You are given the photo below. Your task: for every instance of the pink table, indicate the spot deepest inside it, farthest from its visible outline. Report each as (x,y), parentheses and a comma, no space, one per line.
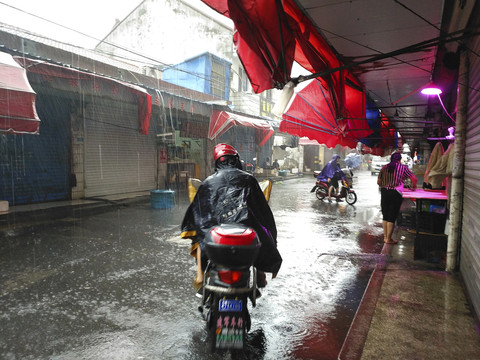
(419,195)
(424,194)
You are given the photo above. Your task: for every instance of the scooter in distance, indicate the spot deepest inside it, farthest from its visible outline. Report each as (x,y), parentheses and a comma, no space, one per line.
(346,192)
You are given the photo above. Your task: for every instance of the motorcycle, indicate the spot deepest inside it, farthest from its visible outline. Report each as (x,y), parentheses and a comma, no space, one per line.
(346,191)
(230,280)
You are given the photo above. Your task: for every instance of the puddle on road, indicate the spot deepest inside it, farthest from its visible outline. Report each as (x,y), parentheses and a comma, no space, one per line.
(124,284)
(329,252)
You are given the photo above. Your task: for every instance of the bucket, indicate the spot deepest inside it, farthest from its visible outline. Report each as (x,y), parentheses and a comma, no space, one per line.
(162,199)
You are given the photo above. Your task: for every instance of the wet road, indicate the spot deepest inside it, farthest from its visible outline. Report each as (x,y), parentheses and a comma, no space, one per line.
(118,285)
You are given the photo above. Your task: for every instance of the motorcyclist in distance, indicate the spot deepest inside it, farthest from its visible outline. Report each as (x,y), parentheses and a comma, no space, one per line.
(231,195)
(330,174)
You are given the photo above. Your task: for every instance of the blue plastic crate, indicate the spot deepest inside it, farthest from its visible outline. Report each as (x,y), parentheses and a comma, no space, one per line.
(162,199)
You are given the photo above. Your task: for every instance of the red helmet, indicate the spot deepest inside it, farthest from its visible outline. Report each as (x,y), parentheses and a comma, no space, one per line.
(223,149)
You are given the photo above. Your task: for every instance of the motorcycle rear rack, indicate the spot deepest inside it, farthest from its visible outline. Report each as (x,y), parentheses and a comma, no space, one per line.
(228,291)
(231,291)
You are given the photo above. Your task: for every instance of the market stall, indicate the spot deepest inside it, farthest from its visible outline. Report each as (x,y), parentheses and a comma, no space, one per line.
(430,220)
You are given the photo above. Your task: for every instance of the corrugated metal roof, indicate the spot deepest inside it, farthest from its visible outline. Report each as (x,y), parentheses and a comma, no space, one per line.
(88,53)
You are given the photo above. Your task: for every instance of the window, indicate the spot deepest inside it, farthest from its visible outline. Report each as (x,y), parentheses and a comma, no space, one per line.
(268,95)
(242,80)
(218,79)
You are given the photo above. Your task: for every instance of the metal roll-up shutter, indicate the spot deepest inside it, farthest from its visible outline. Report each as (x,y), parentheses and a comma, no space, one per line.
(118,159)
(470,244)
(36,168)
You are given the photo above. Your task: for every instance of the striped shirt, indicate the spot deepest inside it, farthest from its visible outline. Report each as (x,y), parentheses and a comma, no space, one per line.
(393,180)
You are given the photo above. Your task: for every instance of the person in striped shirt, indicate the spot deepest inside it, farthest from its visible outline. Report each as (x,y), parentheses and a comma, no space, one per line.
(391,179)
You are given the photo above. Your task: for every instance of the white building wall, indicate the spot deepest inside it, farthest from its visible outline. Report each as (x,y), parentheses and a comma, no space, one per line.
(246,103)
(168,32)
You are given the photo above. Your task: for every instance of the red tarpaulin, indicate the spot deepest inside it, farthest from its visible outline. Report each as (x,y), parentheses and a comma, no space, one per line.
(388,139)
(18,114)
(67,79)
(270,35)
(312,114)
(373,151)
(259,39)
(306,141)
(388,135)
(221,121)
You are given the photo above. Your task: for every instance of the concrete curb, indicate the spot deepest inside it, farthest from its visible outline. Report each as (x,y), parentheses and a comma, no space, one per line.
(357,333)
(62,209)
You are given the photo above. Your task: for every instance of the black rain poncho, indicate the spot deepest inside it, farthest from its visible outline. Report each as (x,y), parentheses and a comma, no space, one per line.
(231,195)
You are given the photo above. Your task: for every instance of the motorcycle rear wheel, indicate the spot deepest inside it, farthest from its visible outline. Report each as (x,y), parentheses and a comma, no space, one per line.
(351,198)
(321,193)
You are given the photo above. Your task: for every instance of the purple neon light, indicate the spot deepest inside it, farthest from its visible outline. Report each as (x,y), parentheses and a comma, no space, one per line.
(431,91)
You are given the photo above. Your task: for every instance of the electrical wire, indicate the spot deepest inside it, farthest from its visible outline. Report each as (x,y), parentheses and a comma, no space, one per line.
(443,106)
(143,56)
(417,47)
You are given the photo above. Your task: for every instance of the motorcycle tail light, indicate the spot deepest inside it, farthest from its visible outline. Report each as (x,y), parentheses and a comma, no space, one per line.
(230,276)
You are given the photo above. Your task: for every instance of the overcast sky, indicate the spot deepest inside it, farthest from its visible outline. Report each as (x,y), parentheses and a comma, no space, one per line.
(91,17)
(91,20)
(94,18)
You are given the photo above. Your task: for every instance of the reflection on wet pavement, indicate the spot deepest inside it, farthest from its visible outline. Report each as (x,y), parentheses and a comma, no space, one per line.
(328,260)
(118,285)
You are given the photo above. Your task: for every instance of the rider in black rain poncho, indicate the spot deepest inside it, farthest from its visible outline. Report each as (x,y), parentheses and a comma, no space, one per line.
(231,195)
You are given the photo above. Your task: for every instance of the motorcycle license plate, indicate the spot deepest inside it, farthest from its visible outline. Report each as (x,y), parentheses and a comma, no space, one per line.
(232,305)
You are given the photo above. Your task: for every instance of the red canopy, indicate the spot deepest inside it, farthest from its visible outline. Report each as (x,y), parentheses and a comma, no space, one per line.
(261,30)
(306,141)
(373,151)
(388,139)
(221,121)
(18,114)
(388,135)
(312,114)
(67,79)
(270,35)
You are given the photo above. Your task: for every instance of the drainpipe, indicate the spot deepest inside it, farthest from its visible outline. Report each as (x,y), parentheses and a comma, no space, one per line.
(456,194)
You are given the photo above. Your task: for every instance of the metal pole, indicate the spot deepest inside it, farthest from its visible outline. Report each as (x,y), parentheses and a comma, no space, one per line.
(456,192)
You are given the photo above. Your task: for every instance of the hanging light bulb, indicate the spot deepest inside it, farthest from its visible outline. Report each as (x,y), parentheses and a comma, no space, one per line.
(431,89)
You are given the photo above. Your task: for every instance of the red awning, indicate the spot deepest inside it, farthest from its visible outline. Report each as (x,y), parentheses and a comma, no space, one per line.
(270,35)
(306,141)
(18,114)
(261,35)
(68,79)
(221,121)
(312,114)
(388,135)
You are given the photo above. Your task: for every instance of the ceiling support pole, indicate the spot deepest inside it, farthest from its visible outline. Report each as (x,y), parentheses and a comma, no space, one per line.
(456,190)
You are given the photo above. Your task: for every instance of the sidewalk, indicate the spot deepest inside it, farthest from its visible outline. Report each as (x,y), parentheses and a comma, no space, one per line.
(412,309)
(50,211)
